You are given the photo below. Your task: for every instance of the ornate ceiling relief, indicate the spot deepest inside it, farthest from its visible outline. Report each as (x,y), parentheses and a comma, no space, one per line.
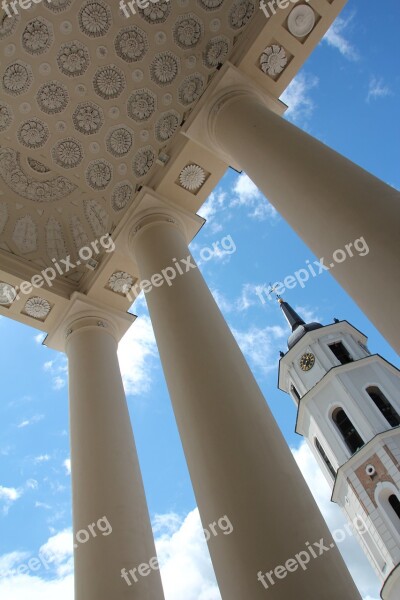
(25,235)
(91,100)
(37,308)
(55,243)
(27,186)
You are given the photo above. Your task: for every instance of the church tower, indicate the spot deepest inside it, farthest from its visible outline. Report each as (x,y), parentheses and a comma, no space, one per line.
(348,410)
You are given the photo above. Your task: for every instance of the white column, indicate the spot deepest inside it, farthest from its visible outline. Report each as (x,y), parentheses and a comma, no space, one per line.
(106,478)
(238,460)
(328,200)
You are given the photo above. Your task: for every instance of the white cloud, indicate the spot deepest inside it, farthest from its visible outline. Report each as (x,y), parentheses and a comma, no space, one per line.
(8,495)
(261,346)
(298,99)
(67,465)
(224,304)
(31,421)
(247,194)
(377,89)
(42,458)
(308,315)
(186,568)
(354,557)
(211,209)
(39,338)
(137,352)
(335,38)
(58,369)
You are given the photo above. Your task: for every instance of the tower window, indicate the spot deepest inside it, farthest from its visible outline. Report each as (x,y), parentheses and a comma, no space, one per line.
(395,504)
(349,433)
(383,404)
(341,353)
(295,393)
(325,458)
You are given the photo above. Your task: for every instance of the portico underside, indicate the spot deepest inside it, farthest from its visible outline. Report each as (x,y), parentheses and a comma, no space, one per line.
(115,129)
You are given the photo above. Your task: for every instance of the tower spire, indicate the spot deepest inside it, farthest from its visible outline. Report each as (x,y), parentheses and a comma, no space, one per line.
(296,323)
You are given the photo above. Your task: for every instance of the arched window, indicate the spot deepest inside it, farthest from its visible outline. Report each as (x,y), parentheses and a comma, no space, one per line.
(341,353)
(325,458)
(349,433)
(395,504)
(383,404)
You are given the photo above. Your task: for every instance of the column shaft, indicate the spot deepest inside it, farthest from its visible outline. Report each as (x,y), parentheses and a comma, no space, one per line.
(238,460)
(106,478)
(328,200)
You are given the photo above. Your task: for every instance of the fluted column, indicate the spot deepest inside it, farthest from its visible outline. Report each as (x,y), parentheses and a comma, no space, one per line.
(106,478)
(240,465)
(328,200)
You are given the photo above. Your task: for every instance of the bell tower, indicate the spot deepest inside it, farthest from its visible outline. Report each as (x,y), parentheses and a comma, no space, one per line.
(348,410)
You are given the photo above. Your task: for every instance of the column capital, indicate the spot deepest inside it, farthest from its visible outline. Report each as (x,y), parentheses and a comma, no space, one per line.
(83,313)
(151,209)
(230,84)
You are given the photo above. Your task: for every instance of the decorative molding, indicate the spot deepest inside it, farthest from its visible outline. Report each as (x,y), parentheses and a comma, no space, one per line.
(301,20)
(273,60)
(192,178)
(37,308)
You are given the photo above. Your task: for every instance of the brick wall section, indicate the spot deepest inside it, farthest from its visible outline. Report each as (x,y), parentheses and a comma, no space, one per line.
(370,483)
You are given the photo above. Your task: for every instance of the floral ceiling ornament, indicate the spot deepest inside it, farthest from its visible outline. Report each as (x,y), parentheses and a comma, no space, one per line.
(131,44)
(142,104)
(191,89)
(143,161)
(68,153)
(99,174)
(301,20)
(73,58)
(241,13)
(164,68)
(37,36)
(109,82)
(192,177)
(188,31)
(94,18)
(121,282)
(119,141)
(52,97)
(156,12)
(33,133)
(37,308)
(17,78)
(273,60)
(7,294)
(121,195)
(167,125)
(216,52)
(88,118)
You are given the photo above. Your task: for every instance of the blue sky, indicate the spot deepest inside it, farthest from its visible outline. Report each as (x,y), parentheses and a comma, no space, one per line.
(346,95)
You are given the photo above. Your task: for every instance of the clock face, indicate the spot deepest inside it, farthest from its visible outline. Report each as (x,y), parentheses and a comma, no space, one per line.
(307,361)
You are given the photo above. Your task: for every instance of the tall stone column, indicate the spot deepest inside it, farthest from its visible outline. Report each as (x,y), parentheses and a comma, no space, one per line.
(328,200)
(106,478)
(239,462)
